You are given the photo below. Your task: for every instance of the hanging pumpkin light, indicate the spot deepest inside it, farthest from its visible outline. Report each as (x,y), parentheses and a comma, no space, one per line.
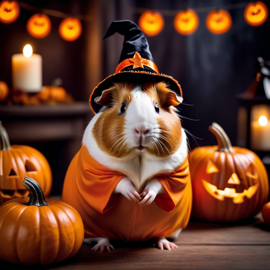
(256,13)
(151,23)
(9,11)
(186,22)
(39,25)
(70,29)
(218,21)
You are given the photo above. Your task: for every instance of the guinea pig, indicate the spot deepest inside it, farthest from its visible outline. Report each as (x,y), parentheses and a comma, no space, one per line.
(130,179)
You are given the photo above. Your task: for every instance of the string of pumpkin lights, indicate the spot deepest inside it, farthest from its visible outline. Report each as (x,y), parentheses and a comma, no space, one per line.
(186,22)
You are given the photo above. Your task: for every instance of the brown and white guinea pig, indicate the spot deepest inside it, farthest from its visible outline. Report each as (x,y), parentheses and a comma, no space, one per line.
(138,149)
(138,131)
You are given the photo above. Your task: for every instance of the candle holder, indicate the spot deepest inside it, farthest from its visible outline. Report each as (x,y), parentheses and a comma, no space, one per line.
(254,112)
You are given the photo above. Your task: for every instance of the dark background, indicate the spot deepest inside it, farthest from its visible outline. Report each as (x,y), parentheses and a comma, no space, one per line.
(212,69)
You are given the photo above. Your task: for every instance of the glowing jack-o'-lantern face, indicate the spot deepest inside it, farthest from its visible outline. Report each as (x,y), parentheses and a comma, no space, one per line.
(256,14)
(230,191)
(186,22)
(229,183)
(218,22)
(151,23)
(70,29)
(9,11)
(18,161)
(39,25)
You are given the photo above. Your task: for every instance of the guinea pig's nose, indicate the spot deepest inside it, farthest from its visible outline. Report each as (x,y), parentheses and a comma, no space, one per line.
(141,131)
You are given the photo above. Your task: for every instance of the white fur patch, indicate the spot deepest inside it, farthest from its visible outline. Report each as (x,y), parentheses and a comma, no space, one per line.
(137,168)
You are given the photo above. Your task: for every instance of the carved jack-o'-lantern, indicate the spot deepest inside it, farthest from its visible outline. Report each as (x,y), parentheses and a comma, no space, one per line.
(39,25)
(70,29)
(9,11)
(218,22)
(186,22)
(256,14)
(151,23)
(229,183)
(18,161)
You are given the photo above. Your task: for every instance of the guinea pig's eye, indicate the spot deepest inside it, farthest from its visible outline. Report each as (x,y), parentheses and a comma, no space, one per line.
(123,108)
(156,107)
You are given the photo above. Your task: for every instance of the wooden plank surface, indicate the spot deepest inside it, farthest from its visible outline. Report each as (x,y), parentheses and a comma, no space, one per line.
(202,245)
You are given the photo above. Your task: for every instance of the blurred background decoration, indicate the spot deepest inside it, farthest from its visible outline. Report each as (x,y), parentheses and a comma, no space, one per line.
(210,46)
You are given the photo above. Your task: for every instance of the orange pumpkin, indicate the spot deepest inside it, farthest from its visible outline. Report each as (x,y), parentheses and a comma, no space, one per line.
(70,29)
(186,22)
(3,90)
(151,23)
(52,93)
(18,161)
(229,183)
(39,25)
(266,213)
(9,11)
(36,230)
(256,14)
(218,22)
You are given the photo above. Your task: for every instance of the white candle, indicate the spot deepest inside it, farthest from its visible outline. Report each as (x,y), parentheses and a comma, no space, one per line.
(27,72)
(260,134)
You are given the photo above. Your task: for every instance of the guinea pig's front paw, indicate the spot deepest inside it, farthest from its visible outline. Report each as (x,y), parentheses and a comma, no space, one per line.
(150,192)
(163,243)
(102,244)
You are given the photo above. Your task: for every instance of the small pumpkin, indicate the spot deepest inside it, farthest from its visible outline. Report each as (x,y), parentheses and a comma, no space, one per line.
(37,230)
(229,183)
(186,22)
(3,90)
(151,23)
(9,11)
(266,213)
(70,29)
(218,21)
(39,25)
(256,13)
(52,93)
(18,161)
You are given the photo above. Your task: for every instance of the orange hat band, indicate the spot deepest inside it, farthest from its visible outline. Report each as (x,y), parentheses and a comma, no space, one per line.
(137,62)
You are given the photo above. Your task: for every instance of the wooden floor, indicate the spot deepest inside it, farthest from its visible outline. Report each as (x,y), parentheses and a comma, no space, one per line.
(202,245)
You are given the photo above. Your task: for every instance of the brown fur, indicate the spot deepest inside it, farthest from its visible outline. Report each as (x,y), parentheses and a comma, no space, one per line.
(108,130)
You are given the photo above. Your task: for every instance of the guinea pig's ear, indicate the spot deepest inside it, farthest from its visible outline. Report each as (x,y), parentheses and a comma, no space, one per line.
(166,96)
(106,97)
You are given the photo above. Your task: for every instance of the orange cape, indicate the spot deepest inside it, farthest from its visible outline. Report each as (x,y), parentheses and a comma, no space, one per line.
(89,187)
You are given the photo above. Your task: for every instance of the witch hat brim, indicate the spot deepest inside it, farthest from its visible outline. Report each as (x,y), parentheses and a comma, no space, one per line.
(136,63)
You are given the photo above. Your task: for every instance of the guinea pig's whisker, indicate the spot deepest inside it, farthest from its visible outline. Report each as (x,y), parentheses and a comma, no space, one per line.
(158,142)
(155,145)
(121,149)
(166,131)
(165,147)
(193,136)
(166,139)
(119,141)
(184,117)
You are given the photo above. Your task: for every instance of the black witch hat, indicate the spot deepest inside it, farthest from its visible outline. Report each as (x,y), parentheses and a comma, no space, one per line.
(136,62)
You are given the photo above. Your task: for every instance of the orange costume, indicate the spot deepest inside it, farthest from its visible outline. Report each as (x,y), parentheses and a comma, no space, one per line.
(89,188)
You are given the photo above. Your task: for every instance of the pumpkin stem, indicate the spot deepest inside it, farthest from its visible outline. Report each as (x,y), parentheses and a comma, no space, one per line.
(224,143)
(36,194)
(4,140)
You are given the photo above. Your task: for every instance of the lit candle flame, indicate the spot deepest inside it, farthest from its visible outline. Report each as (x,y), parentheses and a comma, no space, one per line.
(263,120)
(27,50)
